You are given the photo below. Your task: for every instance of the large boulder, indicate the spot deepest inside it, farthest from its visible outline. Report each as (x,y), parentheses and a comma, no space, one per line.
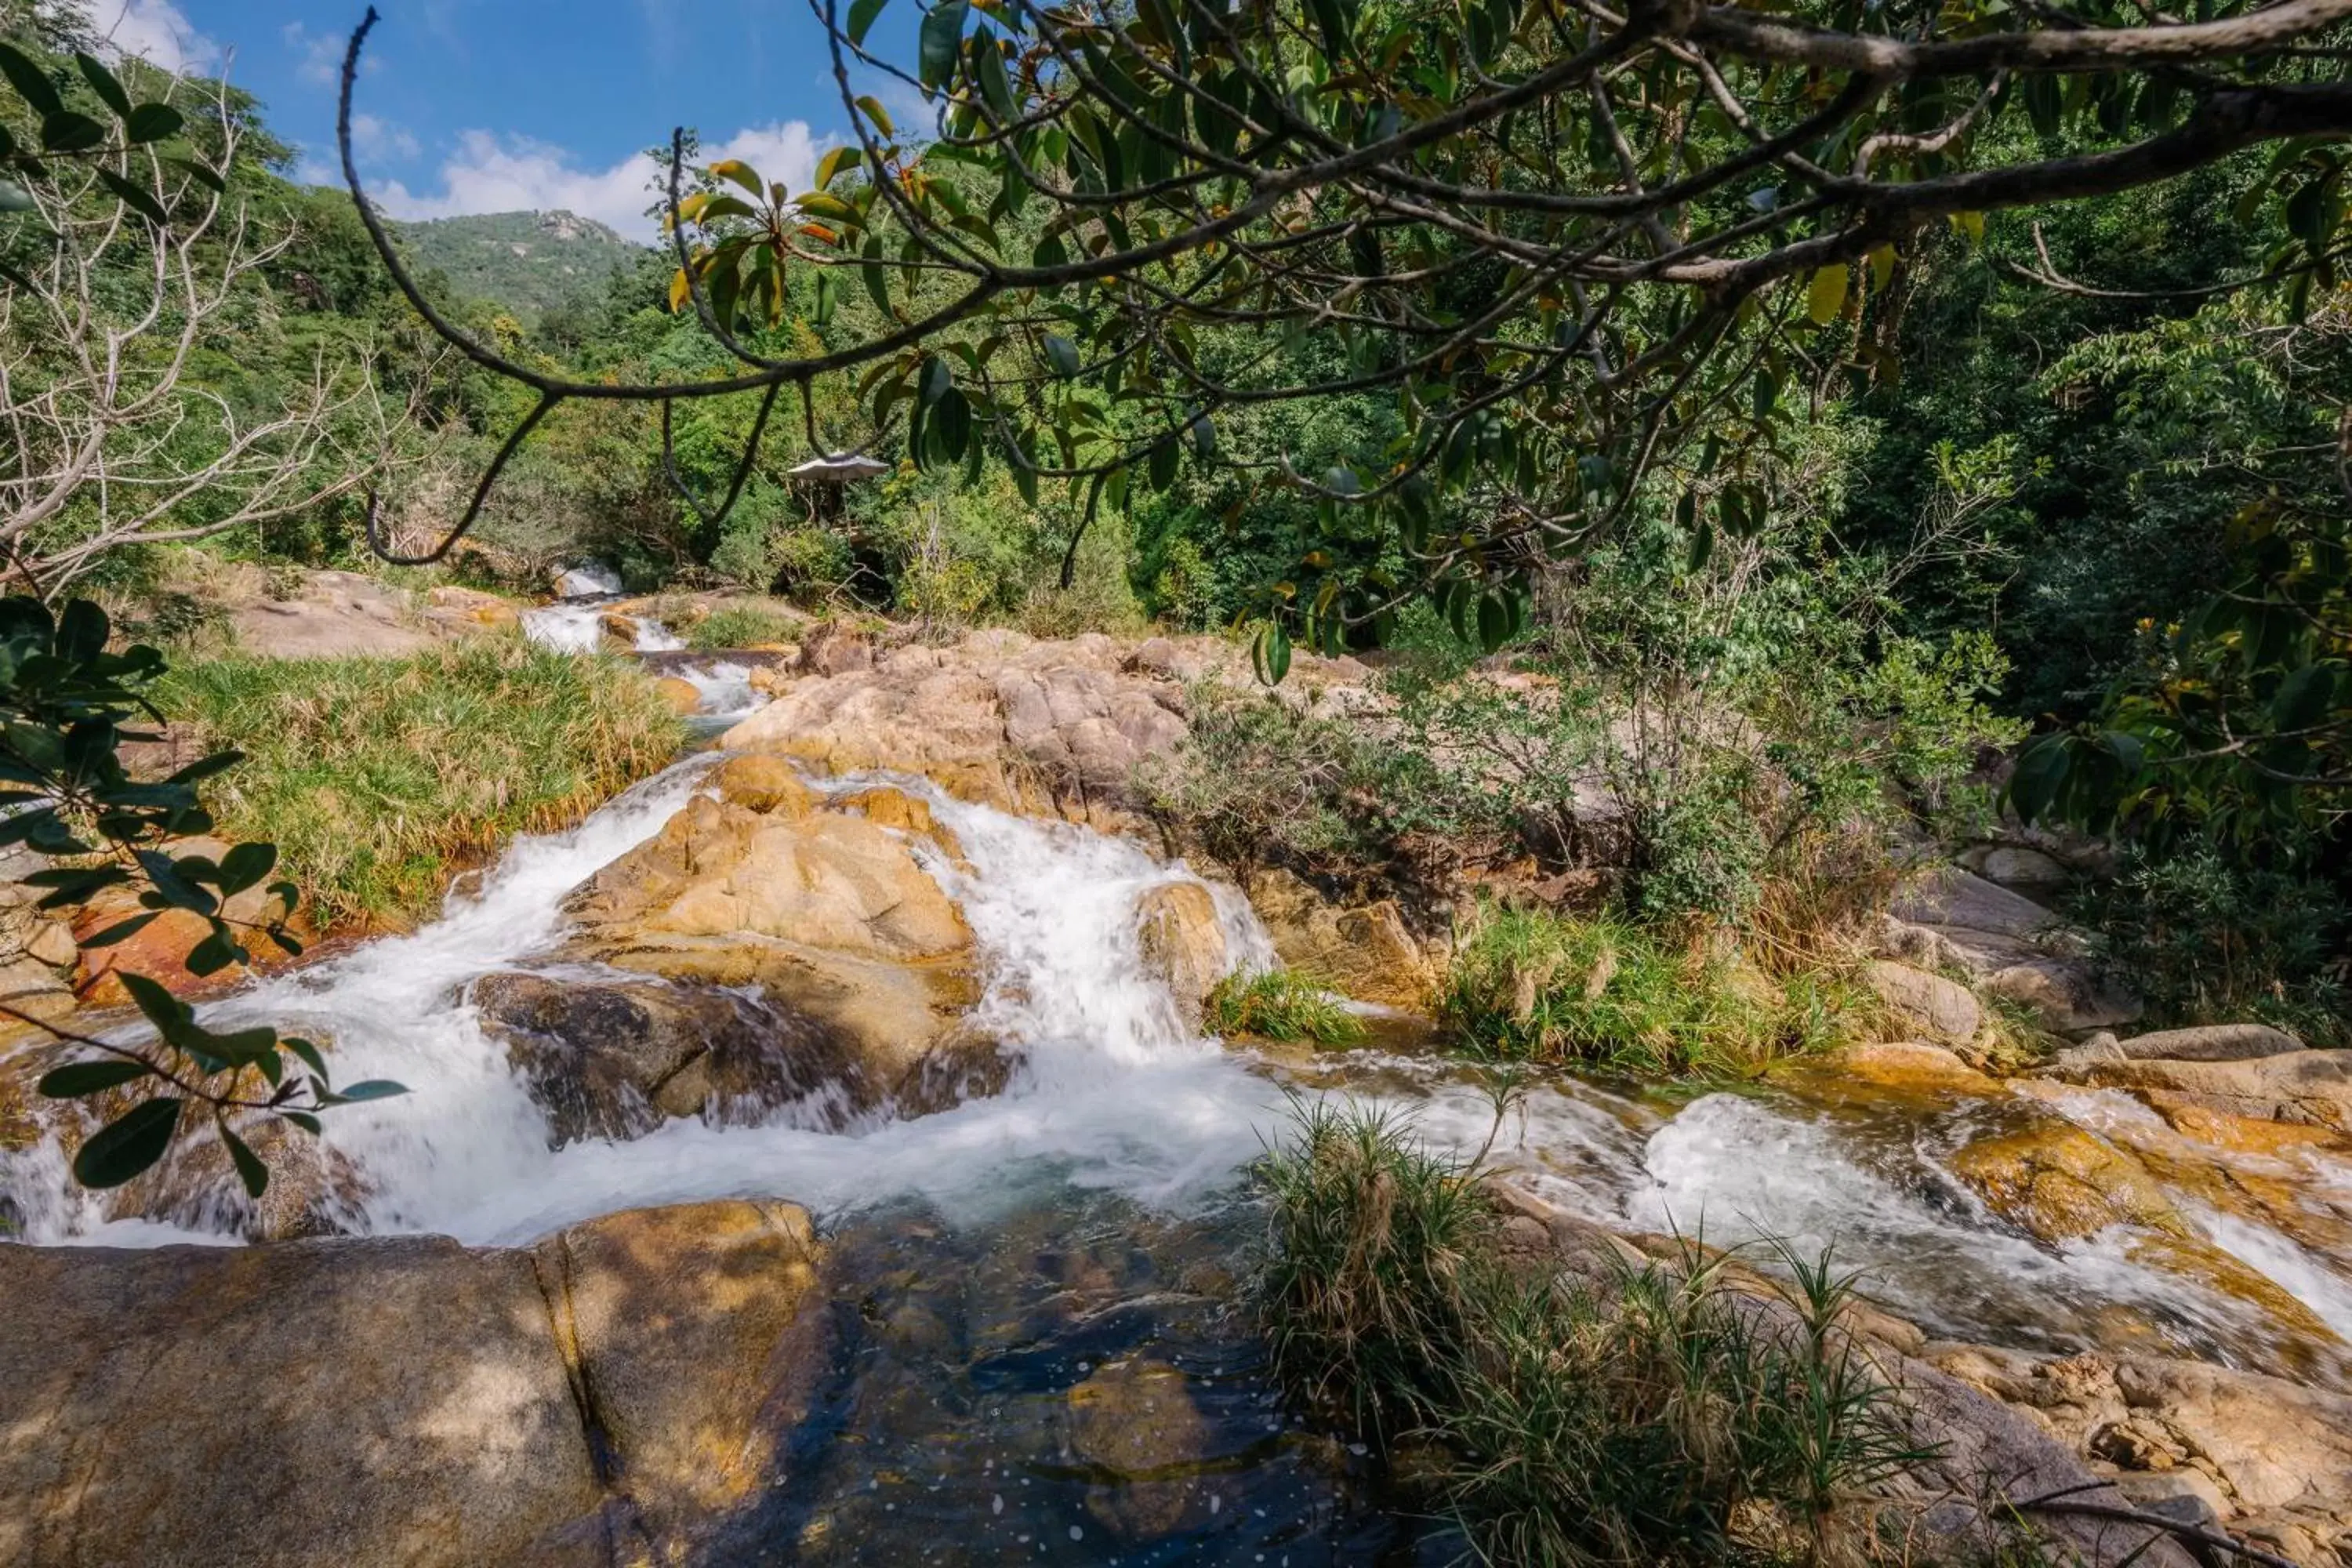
(1183,946)
(2311,1088)
(615,1059)
(2011,946)
(1363,950)
(824,910)
(1044,728)
(401,1400)
(2210,1042)
(1941,1009)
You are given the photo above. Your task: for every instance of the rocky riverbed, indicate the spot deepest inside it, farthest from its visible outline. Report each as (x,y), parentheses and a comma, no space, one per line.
(815,1157)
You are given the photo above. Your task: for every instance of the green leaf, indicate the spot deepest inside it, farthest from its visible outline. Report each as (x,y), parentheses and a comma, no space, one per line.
(246,865)
(66,132)
(1825,297)
(78,1078)
(1702,546)
(249,1168)
(871,107)
(2041,770)
(861,17)
(370,1089)
(127,1145)
(2304,698)
(15,198)
(82,632)
(30,81)
(102,81)
(1062,356)
(309,1054)
(942,41)
(165,1011)
(834,162)
(937,378)
(154,122)
(136,199)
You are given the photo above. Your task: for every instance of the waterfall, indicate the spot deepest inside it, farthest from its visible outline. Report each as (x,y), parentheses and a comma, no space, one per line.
(1116,1093)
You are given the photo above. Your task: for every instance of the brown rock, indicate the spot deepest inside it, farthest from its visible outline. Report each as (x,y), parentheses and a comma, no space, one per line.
(2060,1183)
(766,784)
(1183,946)
(1364,951)
(52,942)
(683,696)
(451,1425)
(614,1060)
(1944,1010)
(1909,1064)
(2210,1043)
(2311,1088)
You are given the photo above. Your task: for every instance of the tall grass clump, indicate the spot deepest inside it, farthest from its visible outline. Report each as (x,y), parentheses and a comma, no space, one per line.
(742,626)
(1278,1006)
(377,778)
(1633,1414)
(1604,992)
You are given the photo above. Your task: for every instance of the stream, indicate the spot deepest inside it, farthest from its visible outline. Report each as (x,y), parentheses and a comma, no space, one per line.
(1096,1212)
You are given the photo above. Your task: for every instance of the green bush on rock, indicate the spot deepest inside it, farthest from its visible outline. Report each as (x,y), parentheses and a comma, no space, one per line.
(1642,1414)
(1279,1005)
(1605,991)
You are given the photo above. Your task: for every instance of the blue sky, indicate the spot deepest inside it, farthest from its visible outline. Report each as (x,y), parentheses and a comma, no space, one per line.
(492,105)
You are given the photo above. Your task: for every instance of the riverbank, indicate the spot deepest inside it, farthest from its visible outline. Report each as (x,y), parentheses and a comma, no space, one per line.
(914,953)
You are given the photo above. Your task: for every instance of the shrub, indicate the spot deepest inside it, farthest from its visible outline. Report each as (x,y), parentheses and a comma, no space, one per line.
(1607,993)
(1646,1416)
(2208,939)
(742,626)
(376,777)
(1278,1006)
(1259,781)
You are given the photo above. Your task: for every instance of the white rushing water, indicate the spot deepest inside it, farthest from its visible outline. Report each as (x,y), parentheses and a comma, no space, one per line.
(1116,1094)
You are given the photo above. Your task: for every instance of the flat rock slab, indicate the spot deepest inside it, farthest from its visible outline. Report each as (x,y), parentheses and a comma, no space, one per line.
(2210,1043)
(1950,897)
(394,1400)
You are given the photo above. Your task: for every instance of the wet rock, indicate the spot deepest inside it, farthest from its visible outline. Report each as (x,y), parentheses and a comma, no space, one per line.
(893,808)
(2239,1134)
(1909,1064)
(1135,1419)
(2059,1182)
(683,696)
(769,786)
(2210,1043)
(313,1191)
(1183,947)
(2310,1088)
(407,1401)
(614,1060)
(474,606)
(1945,1010)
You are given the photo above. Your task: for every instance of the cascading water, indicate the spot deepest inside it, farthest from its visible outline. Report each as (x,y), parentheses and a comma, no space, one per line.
(1116,1096)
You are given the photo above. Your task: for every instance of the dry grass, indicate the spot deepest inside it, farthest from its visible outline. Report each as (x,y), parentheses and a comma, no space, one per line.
(378,778)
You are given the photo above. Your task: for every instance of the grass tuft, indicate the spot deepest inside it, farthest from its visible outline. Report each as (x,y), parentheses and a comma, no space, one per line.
(1651,1414)
(1278,1006)
(1604,992)
(378,778)
(743,626)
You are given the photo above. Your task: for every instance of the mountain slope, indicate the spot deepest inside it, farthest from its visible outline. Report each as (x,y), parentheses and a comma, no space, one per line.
(525,262)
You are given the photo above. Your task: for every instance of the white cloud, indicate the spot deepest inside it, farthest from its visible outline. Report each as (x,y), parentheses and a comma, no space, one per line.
(490,174)
(157,31)
(377,140)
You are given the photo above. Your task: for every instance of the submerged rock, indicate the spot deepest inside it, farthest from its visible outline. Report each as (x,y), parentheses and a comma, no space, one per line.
(351,1404)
